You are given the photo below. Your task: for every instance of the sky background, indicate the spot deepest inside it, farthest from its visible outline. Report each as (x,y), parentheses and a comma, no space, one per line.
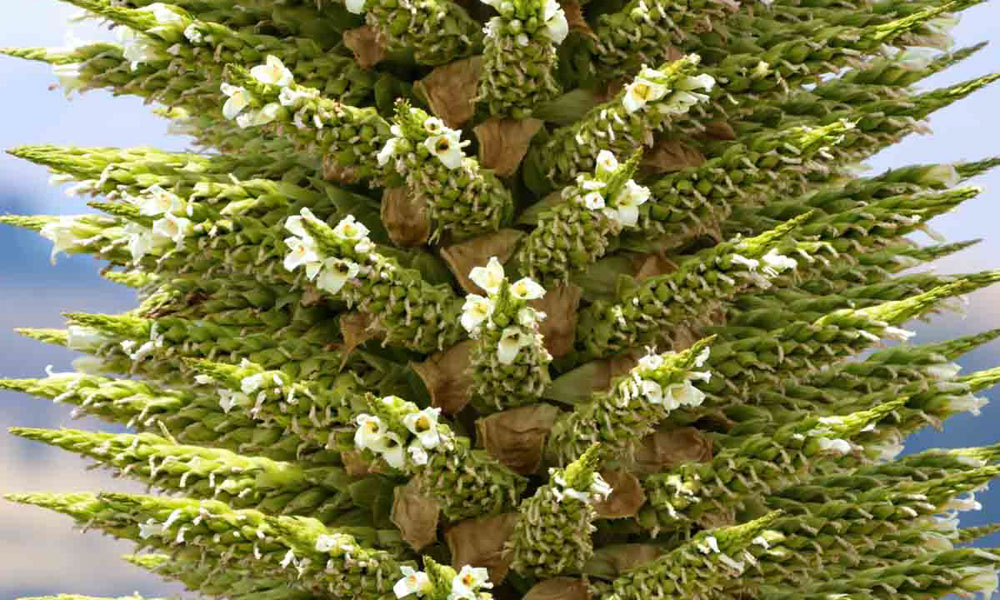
(41,554)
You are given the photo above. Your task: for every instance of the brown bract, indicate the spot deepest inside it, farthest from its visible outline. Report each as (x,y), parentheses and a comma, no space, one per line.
(448,377)
(560,588)
(560,305)
(480,543)
(612,561)
(627,496)
(504,142)
(366,44)
(415,514)
(666,448)
(357,328)
(517,437)
(450,90)
(667,156)
(405,217)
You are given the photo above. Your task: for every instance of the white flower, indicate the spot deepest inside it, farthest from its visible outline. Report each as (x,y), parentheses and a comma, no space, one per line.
(684,394)
(272,72)
(835,446)
(750,263)
(651,362)
(387,151)
(335,272)
(470,579)
(555,21)
(162,13)
(393,452)
(896,333)
(527,289)
(355,6)
(590,185)
(606,162)
(651,391)
(291,97)
(489,277)
(424,425)
(140,241)
(967,403)
(301,252)
(349,229)
(149,529)
(512,339)
(251,383)
(600,489)
(643,90)
(593,200)
(193,35)
(702,357)
(434,125)
(370,434)
(326,543)
(136,48)
(60,233)
(775,263)
(294,223)
(157,201)
(69,77)
(228,399)
(980,579)
(413,582)
(709,544)
(944,371)
(172,228)
(628,201)
(83,338)
(476,310)
(417,454)
(529,317)
(447,147)
(700,82)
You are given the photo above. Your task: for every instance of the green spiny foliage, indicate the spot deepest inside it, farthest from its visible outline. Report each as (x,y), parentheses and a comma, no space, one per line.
(540,299)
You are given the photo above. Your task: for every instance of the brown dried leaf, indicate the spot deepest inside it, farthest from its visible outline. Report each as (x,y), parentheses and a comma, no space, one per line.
(560,588)
(626,498)
(574,16)
(720,130)
(405,217)
(448,377)
(480,543)
(516,437)
(461,258)
(666,448)
(355,465)
(415,514)
(667,156)
(504,142)
(450,90)
(653,265)
(560,304)
(612,561)
(366,44)
(356,329)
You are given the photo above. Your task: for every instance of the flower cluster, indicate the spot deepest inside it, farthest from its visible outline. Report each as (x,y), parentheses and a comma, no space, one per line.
(170,228)
(397,446)
(642,383)
(137,48)
(437,139)
(272,72)
(520,327)
(552,16)
(469,583)
(649,86)
(599,490)
(330,274)
(623,205)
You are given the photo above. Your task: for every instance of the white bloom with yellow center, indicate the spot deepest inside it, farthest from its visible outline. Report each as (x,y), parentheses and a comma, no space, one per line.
(370,434)
(643,90)
(555,21)
(334,273)
(157,201)
(512,339)
(490,277)
(476,310)
(606,162)
(592,200)
(527,289)
(301,252)
(413,582)
(434,126)
(447,147)
(272,72)
(424,425)
(470,579)
(387,151)
(237,99)
(349,229)
(173,228)
(60,233)
(628,201)
(393,452)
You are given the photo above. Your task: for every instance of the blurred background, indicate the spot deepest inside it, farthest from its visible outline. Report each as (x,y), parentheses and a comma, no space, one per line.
(41,554)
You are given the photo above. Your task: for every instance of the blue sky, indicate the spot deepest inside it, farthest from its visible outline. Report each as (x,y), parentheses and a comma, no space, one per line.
(39,553)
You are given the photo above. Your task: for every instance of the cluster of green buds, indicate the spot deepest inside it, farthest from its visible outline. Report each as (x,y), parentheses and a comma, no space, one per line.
(425,155)
(576,232)
(440,582)
(509,361)
(520,53)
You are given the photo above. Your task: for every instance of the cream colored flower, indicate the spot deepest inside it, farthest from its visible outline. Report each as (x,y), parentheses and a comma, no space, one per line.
(490,277)
(349,229)
(157,201)
(172,228)
(643,90)
(302,253)
(424,425)
(512,339)
(393,452)
(387,151)
(334,273)
(413,582)
(476,310)
(555,21)
(237,99)
(272,72)
(447,147)
(370,433)
(628,201)
(527,289)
